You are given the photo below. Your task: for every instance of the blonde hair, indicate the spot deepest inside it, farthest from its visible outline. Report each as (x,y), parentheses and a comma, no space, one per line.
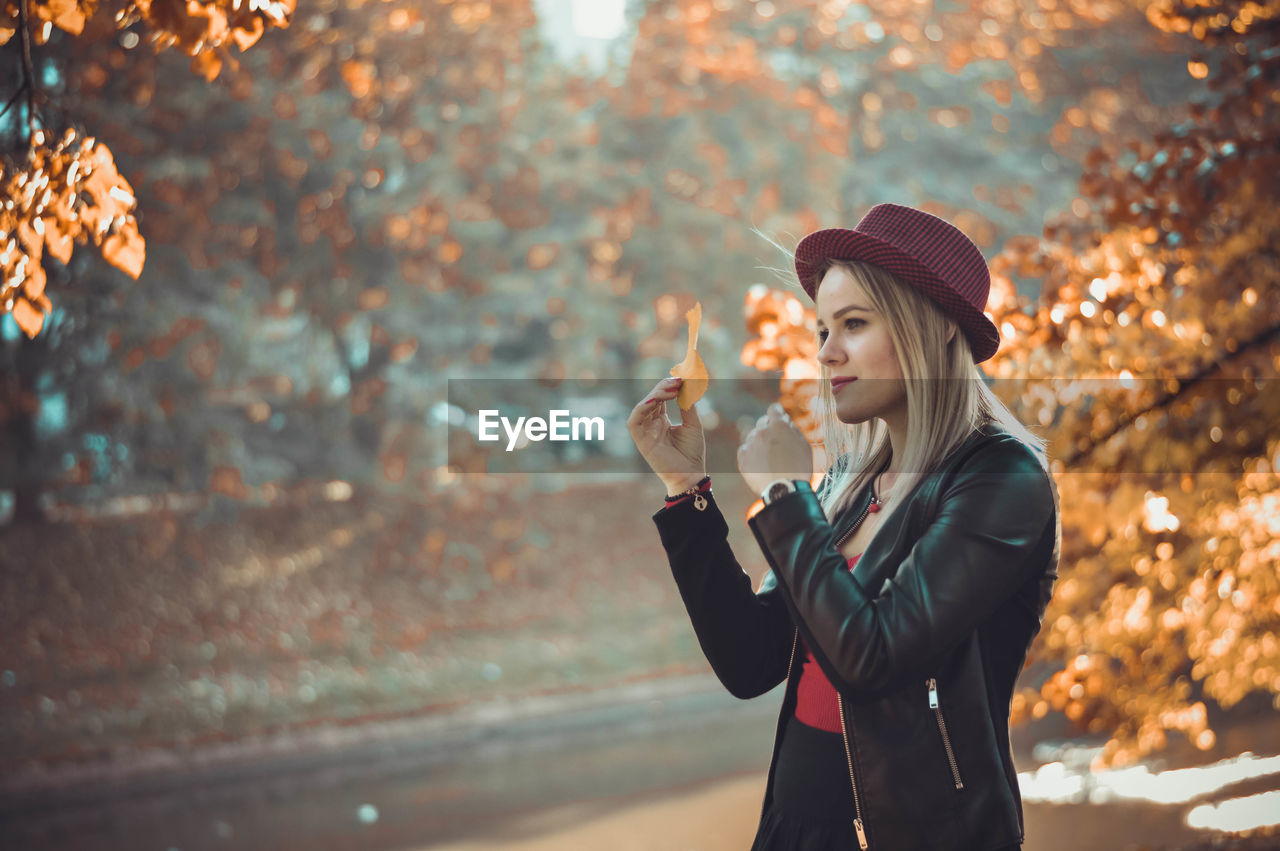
(947,398)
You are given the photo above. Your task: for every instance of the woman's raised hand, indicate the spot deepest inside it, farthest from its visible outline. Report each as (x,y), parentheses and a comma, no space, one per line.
(774,449)
(676,453)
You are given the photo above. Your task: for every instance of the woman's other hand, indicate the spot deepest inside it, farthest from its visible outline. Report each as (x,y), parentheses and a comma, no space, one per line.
(774,449)
(676,453)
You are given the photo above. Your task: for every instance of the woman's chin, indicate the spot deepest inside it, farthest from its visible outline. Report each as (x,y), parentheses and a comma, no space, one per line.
(851,417)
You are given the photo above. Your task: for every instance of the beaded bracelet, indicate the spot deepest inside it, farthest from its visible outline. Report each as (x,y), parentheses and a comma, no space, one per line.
(696,492)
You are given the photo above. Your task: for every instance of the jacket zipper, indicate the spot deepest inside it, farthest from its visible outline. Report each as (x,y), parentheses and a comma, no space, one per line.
(791,659)
(844,732)
(942,728)
(857,804)
(854,527)
(848,755)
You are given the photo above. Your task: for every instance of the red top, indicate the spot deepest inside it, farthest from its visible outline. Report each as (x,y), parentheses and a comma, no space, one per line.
(815,696)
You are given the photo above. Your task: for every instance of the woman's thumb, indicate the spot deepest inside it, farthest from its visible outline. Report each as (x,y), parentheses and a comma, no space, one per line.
(689,416)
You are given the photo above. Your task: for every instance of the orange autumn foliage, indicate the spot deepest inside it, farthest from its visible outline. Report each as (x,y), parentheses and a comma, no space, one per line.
(70,192)
(202,30)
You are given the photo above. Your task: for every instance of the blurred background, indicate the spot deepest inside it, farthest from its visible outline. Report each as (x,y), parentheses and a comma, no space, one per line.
(252,593)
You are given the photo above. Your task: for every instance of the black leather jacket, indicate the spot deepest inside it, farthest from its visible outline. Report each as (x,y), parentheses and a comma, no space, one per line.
(923,639)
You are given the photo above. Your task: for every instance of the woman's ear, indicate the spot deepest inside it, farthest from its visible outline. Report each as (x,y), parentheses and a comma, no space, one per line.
(951,329)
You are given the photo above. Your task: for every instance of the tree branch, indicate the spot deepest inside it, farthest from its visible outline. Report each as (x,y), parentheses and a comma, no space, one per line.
(1184,384)
(28,68)
(28,84)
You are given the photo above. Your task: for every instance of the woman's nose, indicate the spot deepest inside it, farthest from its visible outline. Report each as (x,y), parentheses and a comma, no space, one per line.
(829,354)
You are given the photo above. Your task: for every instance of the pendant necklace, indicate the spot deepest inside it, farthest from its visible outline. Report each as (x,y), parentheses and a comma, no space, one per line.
(876,501)
(872,507)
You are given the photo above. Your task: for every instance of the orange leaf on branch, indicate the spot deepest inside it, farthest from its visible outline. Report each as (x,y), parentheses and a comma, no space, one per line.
(207,64)
(126,250)
(65,193)
(29,317)
(59,238)
(66,15)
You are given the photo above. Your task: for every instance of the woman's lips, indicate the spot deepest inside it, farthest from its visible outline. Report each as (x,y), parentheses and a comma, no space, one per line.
(837,383)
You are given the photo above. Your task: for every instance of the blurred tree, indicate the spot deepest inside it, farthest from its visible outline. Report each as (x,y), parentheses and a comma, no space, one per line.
(395,192)
(68,191)
(61,188)
(1166,287)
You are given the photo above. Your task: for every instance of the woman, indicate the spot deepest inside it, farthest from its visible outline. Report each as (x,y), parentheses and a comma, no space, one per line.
(901,624)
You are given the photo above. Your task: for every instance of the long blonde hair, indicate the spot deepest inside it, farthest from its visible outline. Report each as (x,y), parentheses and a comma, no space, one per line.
(947,398)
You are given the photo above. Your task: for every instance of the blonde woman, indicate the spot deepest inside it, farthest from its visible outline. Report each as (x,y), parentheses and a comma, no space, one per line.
(902,596)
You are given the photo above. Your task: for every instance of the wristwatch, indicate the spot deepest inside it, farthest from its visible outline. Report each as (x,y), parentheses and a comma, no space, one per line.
(778,489)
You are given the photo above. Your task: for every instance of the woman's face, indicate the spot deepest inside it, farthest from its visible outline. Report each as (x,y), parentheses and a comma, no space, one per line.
(854,343)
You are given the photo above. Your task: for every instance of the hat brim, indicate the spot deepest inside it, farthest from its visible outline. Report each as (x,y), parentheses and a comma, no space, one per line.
(818,249)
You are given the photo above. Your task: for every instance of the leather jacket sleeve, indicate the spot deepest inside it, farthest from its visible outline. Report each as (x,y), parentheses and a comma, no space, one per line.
(745,635)
(972,557)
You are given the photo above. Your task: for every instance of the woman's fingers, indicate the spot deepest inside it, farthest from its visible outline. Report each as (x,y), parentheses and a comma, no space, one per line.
(667,388)
(653,404)
(664,392)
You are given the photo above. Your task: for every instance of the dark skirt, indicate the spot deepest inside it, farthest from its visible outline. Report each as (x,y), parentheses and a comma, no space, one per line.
(812,804)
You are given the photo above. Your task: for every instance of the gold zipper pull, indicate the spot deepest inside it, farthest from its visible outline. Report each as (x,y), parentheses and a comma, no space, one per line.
(699,502)
(933,693)
(862,835)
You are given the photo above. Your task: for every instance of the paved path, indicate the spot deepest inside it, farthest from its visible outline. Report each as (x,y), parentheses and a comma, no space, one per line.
(678,767)
(721,816)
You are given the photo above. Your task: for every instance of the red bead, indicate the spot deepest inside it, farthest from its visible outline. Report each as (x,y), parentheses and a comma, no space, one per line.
(873,507)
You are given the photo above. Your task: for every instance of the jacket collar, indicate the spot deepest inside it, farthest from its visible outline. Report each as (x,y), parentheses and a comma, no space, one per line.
(846,519)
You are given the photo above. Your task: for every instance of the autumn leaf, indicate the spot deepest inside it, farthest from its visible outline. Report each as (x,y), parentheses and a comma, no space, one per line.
(29,319)
(57,240)
(207,64)
(33,286)
(246,38)
(126,250)
(43,213)
(67,15)
(691,369)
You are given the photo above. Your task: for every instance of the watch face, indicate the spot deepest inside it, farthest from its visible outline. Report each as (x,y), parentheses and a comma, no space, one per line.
(779,490)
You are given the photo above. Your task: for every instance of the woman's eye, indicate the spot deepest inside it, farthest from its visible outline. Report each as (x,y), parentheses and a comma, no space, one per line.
(849,325)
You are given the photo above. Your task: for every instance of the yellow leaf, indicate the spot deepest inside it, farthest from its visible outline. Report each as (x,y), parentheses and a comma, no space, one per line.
(216,28)
(58,241)
(33,285)
(31,240)
(245,39)
(691,369)
(66,15)
(29,319)
(102,178)
(207,63)
(61,207)
(126,250)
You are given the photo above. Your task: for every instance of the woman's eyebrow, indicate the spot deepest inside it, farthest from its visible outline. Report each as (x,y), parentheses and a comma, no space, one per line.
(843,311)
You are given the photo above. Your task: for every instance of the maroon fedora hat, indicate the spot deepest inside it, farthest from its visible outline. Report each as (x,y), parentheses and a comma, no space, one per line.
(920,249)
